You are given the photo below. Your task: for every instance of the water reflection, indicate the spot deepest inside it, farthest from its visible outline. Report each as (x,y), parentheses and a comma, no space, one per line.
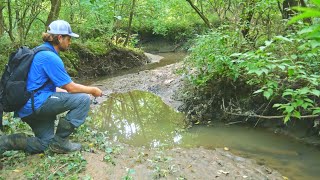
(140,118)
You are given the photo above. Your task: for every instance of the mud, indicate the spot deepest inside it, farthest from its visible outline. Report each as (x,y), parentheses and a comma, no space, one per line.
(179,163)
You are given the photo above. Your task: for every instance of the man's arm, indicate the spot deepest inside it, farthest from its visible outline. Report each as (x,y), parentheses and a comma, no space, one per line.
(60,90)
(79,88)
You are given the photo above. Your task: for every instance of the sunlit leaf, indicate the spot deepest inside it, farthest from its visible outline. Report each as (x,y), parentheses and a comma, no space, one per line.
(304,90)
(289,109)
(267,43)
(283,38)
(299,102)
(287,118)
(315,92)
(287,93)
(290,72)
(276,105)
(282,67)
(258,91)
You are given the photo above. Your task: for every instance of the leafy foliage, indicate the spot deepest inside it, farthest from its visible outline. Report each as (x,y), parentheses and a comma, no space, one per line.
(285,68)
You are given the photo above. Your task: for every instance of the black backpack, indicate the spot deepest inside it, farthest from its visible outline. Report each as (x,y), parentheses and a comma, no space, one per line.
(13,84)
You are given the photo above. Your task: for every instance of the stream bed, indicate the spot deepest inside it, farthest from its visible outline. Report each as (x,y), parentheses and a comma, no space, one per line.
(141,118)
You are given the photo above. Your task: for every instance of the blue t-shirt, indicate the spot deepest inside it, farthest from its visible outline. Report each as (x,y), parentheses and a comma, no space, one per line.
(47,66)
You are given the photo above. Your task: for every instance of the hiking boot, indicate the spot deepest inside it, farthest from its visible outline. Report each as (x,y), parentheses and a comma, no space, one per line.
(60,143)
(13,142)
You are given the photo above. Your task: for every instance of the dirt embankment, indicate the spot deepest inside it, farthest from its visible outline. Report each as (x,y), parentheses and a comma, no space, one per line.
(195,163)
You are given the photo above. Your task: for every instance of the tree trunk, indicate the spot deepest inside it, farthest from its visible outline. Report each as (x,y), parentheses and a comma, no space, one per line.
(203,17)
(54,11)
(246,17)
(2,27)
(130,23)
(10,21)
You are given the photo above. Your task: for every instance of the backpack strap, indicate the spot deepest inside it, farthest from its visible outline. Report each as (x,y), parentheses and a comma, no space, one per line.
(41,48)
(36,50)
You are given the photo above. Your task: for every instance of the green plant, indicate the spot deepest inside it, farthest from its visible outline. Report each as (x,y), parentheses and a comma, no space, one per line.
(129,173)
(58,166)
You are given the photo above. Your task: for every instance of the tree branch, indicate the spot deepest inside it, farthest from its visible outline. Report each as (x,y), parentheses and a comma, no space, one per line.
(268,117)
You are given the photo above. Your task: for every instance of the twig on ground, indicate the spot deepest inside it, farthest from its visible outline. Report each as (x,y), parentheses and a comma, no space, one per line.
(58,169)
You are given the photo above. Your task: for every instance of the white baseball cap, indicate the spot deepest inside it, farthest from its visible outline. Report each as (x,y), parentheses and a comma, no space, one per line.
(61,27)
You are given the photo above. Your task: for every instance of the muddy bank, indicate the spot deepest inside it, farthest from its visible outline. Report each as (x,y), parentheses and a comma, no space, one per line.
(161,81)
(229,102)
(85,60)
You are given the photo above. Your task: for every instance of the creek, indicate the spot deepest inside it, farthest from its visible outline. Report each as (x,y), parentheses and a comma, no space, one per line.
(140,118)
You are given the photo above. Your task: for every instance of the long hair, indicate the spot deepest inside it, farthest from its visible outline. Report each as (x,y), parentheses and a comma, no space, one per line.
(51,38)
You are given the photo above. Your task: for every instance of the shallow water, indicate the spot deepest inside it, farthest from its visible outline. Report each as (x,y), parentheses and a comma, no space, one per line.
(168,58)
(141,119)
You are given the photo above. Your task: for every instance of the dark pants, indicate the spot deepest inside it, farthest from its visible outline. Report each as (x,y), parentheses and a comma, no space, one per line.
(42,121)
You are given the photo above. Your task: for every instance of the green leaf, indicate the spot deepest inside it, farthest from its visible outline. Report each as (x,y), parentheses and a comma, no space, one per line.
(315,92)
(277,105)
(308,100)
(306,105)
(304,90)
(316,111)
(268,93)
(290,72)
(109,150)
(235,54)
(297,114)
(287,93)
(289,109)
(266,71)
(283,38)
(267,43)
(299,102)
(294,57)
(131,171)
(282,67)
(258,91)
(307,13)
(287,118)
(314,44)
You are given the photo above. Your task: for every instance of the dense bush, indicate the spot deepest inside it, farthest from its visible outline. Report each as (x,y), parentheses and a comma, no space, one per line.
(284,70)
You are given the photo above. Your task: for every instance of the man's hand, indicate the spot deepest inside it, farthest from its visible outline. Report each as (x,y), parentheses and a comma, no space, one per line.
(96,92)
